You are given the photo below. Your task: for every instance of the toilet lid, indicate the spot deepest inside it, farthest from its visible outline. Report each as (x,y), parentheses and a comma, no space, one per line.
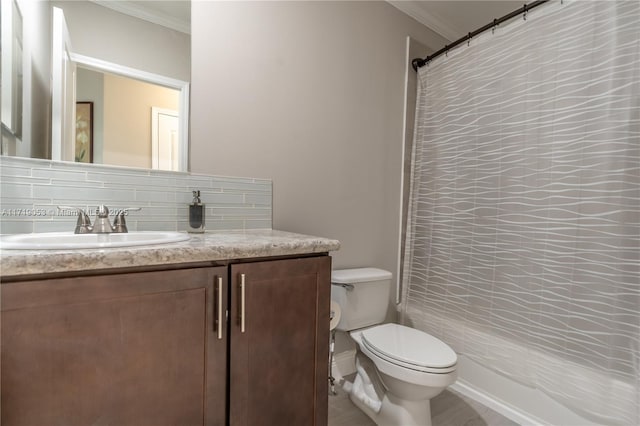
(410,347)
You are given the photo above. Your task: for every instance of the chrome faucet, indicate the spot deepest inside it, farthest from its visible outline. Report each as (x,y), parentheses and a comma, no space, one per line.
(101,224)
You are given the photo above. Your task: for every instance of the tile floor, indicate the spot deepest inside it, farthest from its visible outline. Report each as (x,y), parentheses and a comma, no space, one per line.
(447,409)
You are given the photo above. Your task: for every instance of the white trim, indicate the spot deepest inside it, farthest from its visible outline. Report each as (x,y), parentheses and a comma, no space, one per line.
(56,85)
(101,65)
(431,20)
(62,126)
(141,12)
(7,111)
(183,127)
(182,86)
(405,111)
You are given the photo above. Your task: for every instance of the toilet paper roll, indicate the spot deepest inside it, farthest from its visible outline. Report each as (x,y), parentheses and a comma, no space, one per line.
(335,315)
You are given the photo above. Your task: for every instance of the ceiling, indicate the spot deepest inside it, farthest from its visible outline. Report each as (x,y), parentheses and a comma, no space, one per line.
(451,19)
(454,19)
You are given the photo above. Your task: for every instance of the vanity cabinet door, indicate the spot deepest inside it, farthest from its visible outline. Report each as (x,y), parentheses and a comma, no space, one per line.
(126,349)
(279,337)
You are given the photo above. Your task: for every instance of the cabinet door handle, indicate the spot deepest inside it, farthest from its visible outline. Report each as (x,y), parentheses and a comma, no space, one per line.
(242,304)
(219,308)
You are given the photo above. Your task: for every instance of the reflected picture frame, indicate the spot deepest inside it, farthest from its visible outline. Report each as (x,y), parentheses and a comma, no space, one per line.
(84,132)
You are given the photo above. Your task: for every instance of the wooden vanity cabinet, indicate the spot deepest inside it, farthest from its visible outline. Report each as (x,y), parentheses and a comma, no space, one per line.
(124,349)
(147,348)
(279,334)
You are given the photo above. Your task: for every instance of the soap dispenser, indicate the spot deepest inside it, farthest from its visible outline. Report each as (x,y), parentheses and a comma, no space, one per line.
(196,214)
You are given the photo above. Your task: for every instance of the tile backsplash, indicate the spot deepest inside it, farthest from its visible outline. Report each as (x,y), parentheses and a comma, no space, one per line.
(31,190)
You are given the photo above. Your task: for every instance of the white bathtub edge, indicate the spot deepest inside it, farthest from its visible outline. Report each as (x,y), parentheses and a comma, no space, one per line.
(522,404)
(518,416)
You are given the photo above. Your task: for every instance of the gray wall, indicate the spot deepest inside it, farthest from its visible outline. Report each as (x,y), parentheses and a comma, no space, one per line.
(415,50)
(115,37)
(311,95)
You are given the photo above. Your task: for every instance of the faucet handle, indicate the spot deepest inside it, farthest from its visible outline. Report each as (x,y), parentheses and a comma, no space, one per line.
(119,223)
(83,225)
(102,211)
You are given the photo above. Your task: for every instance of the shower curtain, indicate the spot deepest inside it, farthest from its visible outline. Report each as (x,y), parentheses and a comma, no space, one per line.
(523,234)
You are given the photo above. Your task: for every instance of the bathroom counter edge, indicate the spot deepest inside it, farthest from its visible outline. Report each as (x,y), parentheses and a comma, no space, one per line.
(210,246)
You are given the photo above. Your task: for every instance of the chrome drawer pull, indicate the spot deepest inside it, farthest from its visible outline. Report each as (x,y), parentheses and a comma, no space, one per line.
(219,308)
(242,304)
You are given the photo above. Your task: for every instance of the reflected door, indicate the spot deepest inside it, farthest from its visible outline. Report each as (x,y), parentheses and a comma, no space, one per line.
(63,92)
(165,139)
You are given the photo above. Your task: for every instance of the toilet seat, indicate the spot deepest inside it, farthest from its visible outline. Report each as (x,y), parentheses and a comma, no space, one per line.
(409,348)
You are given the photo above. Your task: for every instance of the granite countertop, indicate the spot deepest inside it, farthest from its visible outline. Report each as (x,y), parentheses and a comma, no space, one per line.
(211,246)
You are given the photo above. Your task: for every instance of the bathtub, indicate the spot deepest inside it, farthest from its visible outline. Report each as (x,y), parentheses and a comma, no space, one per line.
(522,404)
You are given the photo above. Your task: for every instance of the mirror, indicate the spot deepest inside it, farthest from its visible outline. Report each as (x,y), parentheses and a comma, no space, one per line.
(12,75)
(119,119)
(131,45)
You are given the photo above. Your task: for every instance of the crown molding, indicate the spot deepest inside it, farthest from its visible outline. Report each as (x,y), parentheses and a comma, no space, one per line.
(430,20)
(140,12)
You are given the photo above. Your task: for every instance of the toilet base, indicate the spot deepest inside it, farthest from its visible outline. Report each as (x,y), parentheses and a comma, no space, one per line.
(385,409)
(397,413)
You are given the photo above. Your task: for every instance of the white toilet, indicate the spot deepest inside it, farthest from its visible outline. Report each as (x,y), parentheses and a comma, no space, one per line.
(399,369)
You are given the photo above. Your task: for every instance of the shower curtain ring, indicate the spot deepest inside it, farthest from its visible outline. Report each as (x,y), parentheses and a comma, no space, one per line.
(524,12)
(469,40)
(495,24)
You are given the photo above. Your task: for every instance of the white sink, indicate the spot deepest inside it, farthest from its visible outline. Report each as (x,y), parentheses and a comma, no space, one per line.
(71,241)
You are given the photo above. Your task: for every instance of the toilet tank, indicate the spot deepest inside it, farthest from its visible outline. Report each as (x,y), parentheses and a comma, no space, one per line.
(363,296)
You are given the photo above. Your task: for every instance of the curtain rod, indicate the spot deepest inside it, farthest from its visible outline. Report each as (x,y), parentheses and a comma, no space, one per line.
(420,62)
